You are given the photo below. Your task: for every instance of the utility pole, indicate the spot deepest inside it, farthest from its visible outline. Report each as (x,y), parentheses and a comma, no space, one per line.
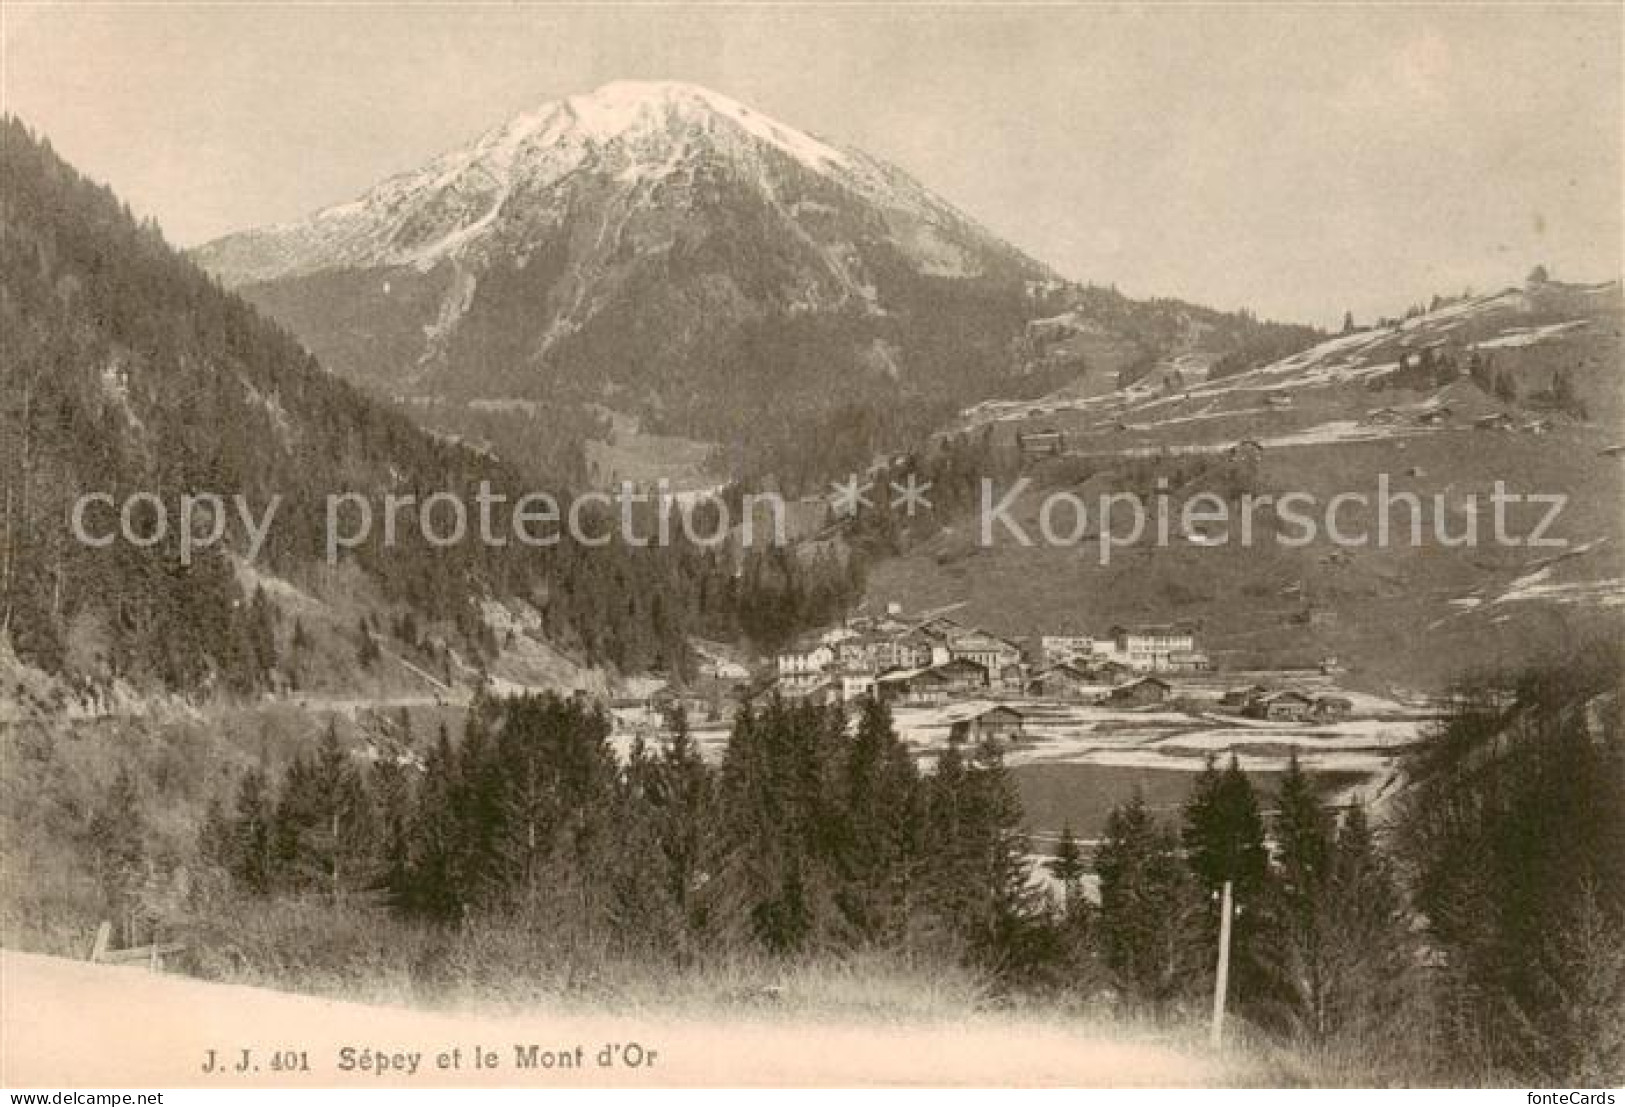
(1221,980)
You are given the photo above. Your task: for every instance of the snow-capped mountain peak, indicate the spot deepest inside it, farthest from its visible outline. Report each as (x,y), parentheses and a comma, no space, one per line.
(620,107)
(632,134)
(647,231)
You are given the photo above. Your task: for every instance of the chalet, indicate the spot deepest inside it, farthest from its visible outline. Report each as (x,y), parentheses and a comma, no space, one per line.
(986,650)
(1112,672)
(1041,443)
(1062,682)
(940,628)
(1140,693)
(1241,697)
(1188,661)
(998,723)
(1331,709)
(667,701)
(1151,646)
(1281,706)
(923,687)
(963,675)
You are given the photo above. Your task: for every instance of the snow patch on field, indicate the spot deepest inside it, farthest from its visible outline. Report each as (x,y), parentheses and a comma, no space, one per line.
(1528,336)
(1599,593)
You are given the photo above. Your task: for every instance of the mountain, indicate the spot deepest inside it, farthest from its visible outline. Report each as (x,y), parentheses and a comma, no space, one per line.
(1524,386)
(657,252)
(642,151)
(128,370)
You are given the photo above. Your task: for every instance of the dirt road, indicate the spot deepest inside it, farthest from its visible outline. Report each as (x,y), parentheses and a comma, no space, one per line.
(73,1024)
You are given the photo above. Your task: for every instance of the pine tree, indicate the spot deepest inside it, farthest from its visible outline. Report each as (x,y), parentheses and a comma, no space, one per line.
(1224,832)
(783,821)
(1151,909)
(645,916)
(433,885)
(1501,859)
(948,869)
(117,837)
(878,800)
(325,820)
(1068,867)
(249,851)
(1305,833)
(391,796)
(1297,929)
(683,799)
(1224,842)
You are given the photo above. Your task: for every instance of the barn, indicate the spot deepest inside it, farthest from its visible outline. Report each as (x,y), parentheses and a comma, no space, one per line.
(1140,693)
(999,723)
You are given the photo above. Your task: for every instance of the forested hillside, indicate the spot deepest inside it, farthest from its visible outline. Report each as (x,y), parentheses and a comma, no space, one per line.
(127,369)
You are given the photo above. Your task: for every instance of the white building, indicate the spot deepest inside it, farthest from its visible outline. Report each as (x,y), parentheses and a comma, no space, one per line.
(854,684)
(1058,649)
(1152,647)
(806,660)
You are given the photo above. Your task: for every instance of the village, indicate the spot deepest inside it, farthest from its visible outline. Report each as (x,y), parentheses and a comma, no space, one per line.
(943,677)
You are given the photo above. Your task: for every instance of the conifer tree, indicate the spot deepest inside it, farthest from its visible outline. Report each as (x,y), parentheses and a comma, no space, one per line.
(1068,867)
(1299,920)
(325,821)
(683,800)
(433,884)
(644,915)
(1224,841)
(1150,922)
(248,851)
(118,841)
(877,794)
(1224,832)
(1514,830)
(783,820)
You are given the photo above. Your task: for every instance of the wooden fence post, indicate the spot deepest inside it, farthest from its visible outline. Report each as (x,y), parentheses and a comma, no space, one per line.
(1221,981)
(104,934)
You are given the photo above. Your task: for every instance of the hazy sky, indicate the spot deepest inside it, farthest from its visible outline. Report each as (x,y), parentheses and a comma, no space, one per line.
(1296,160)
